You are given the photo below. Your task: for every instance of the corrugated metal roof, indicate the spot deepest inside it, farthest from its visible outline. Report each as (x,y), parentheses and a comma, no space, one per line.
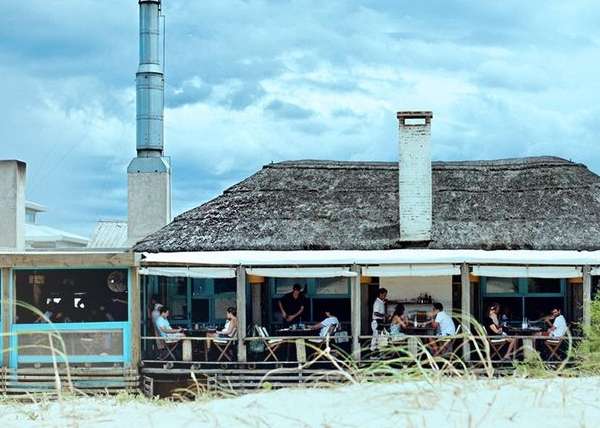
(109,234)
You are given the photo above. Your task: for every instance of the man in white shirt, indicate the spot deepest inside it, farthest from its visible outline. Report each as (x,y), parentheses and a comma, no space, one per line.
(559,325)
(378,316)
(325,326)
(444,326)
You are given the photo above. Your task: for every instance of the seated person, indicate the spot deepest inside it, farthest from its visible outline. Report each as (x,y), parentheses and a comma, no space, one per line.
(443,324)
(399,321)
(558,327)
(164,327)
(493,328)
(292,306)
(231,325)
(325,326)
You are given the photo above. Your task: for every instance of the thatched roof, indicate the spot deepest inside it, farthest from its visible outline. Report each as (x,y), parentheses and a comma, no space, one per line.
(531,203)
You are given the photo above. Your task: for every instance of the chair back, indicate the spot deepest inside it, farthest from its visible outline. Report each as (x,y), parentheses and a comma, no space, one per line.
(262,332)
(332,329)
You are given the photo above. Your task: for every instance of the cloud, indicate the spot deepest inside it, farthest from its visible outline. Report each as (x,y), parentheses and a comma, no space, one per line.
(288,110)
(254,81)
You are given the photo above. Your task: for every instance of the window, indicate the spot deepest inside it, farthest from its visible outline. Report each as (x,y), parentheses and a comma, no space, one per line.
(332,286)
(544,285)
(284,285)
(72,295)
(496,285)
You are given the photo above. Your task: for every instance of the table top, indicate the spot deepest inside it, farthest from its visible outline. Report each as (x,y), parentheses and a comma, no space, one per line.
(296,332)
(519,331)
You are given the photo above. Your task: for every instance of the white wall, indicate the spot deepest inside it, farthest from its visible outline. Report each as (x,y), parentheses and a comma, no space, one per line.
(409,287)
(149,204)
(12,204)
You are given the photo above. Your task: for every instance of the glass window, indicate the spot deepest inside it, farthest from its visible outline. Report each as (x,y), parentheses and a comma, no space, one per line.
(72,295)
(225,285)
(222,302)
(502,285)
(284,285)
(544,285)
(333,286)
(339,307)
(200,287)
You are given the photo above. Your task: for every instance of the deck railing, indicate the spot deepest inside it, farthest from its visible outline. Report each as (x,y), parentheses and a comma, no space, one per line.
(93,342)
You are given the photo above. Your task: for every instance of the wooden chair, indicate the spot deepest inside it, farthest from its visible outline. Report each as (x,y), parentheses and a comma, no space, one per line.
(165,349)
(271,345)
(447,343)
(322,342)
(223,345)
(496,347)
(553,345)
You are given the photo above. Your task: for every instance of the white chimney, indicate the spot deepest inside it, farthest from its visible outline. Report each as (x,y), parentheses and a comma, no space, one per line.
(415,176)
(12,205)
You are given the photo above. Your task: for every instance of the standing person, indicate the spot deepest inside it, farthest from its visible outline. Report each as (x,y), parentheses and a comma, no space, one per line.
(292,306)
(378,316)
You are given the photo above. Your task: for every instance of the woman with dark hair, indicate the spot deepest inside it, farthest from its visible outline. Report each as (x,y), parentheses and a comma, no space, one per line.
(231,325)
(399,321)
(493,328)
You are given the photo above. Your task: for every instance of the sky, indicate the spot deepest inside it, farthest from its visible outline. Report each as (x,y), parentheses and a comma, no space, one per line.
(253,82)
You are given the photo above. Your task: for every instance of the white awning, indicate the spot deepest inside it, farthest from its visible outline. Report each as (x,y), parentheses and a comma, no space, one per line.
(528,271)
(301,272)
(193,272)
(411,270)
(595,271)
(374,257)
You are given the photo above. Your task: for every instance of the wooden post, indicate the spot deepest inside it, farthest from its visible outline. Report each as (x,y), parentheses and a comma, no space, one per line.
(240,297)
(355,309)
(465,303)
(587,296)
(6,309)
(135,315)
(256,303)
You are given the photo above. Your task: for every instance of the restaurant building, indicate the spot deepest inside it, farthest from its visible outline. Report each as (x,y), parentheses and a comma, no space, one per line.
(521,232)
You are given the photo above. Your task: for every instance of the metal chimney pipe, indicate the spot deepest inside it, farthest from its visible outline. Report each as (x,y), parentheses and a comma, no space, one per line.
(150,83)
(149,173)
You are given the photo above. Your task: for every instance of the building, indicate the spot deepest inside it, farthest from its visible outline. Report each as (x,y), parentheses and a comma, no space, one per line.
(39,236)
(522,232)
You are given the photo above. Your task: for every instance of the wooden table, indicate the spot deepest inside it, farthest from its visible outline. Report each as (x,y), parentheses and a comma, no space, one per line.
(527,339)
(299,342)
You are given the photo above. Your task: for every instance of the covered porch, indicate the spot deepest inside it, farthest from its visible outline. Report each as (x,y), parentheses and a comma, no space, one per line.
(346,282)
